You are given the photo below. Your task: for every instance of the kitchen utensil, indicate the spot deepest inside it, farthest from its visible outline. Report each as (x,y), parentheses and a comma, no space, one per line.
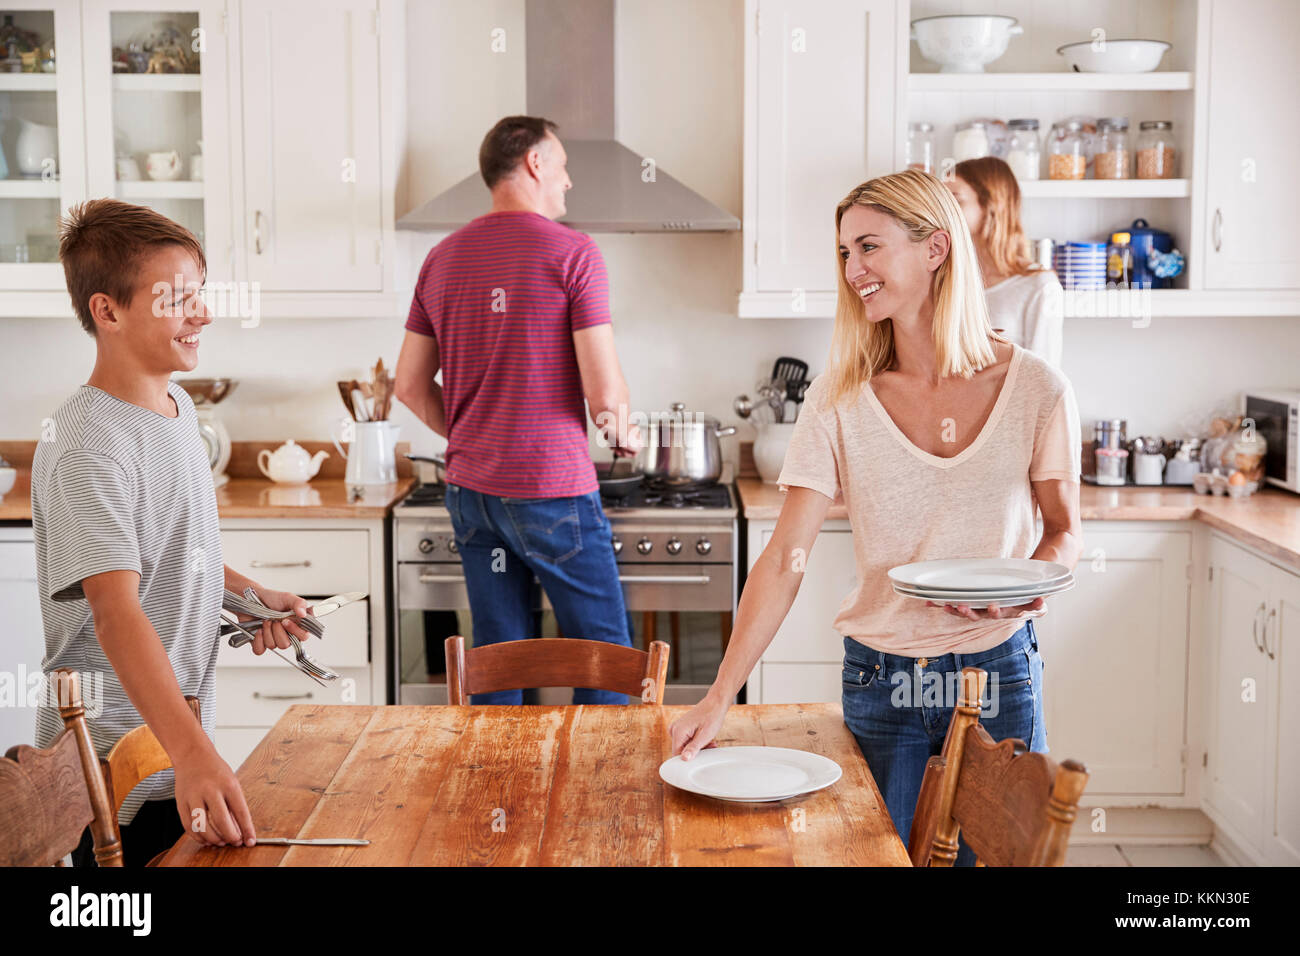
(332,604)
(986,594)
(436,460)
(359,410)
(615,485)
(314,841)
(163,166)
(36,149)
(744,406)
(232,619)
(1148,469)
(770,446)
(977,574)
(964,43)
(290,464)
(1114,56)
(305,661)
(751,774)
(372,455)
(982,600)
(792,372)
(682,448)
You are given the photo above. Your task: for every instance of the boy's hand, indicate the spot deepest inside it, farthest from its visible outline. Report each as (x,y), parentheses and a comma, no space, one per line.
(276,633)
(211,803)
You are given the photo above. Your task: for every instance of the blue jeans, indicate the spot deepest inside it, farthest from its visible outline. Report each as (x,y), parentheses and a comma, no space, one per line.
(900,716)
(565,543)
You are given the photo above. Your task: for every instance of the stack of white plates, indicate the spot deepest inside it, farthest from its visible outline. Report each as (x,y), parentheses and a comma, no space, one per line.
(751,774)
(979,582)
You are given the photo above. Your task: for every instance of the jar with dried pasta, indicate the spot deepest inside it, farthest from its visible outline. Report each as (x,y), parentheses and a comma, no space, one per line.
(1157,153)
(1112,159)
(1067,157)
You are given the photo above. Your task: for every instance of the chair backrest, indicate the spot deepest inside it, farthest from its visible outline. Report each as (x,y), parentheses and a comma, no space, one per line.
(1014,807)
(137,755)
(555,662)
(47,797)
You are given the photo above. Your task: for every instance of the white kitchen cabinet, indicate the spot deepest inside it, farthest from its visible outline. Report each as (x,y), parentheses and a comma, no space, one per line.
(1251,186)
(316,211)
(820,85)
(1253,759)
(22,641)
(1114,651)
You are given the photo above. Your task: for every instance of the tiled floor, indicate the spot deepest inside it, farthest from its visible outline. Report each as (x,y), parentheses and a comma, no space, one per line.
(1116,855)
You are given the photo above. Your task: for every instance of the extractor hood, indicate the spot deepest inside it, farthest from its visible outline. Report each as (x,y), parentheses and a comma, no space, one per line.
(570,71)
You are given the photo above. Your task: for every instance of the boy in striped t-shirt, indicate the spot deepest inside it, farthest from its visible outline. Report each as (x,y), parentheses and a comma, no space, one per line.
(124,512)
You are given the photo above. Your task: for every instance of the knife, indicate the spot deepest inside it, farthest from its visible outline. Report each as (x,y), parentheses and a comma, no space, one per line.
(322,841)
(330,605)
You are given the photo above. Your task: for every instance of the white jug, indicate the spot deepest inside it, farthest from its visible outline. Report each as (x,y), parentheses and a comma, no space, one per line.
(372,453)
(770,447)
(36,146)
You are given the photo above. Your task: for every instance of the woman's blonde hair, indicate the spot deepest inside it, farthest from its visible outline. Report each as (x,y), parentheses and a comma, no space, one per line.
(998,194)
(963,338)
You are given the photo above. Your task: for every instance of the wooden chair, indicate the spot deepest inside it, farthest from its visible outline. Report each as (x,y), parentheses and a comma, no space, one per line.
(555,662)
(137,755)
(1014,807)
(48,797)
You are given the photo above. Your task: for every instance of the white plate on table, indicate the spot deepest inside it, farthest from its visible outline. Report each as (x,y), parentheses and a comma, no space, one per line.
(751,774)
(978,574)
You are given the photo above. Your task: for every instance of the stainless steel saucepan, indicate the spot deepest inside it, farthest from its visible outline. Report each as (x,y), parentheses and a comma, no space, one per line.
(682,448)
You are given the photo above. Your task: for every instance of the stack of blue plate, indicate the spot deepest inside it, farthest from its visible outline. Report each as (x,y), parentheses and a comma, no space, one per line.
(1080,265)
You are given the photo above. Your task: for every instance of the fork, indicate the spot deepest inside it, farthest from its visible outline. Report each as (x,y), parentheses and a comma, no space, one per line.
(231,618)
(305,662)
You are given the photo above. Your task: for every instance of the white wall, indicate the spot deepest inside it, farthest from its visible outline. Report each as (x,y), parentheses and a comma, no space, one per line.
(673,296)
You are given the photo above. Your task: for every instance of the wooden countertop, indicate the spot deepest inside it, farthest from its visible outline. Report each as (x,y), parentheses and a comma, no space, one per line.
(259,498)
(1268,520)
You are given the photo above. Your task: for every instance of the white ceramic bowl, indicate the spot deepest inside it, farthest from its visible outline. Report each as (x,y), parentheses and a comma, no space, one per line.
(7,478)
(964,43)
(1115,56)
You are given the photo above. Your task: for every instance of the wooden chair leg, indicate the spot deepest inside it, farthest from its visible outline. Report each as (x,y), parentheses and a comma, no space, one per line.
(675,627)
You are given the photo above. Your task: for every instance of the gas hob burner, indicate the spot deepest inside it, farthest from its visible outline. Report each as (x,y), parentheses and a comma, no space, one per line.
(651,494)
(429,494)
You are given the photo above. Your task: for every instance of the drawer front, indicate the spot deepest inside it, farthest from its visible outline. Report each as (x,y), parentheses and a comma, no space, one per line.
(319,563)
(346,643)
(258,696)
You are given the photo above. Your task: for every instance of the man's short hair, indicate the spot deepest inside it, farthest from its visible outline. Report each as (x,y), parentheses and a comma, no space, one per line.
(101,243)
(507,143)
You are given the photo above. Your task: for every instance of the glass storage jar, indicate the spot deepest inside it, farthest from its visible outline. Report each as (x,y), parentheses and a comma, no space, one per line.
(1157,153)
(971,141)
(920,147)
(1023,151)
(1066,154)
(1113,159)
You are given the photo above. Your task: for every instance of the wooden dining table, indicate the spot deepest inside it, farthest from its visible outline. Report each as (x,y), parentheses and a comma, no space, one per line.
(541,785)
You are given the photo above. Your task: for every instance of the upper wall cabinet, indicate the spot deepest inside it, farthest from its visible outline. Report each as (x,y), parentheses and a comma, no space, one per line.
(1251,187)
(819,120)
(313,211)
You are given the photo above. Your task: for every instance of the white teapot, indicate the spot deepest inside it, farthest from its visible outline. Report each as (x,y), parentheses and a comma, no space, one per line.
(290,464)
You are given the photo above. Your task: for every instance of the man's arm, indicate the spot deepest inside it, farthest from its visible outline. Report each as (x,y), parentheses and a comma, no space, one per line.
(203,780)
(605,388)
(415,388)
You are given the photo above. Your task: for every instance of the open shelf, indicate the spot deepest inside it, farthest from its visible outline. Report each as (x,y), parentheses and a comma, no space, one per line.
(29,189)
(23,82)
(158,82)
(157,189)
(1045,82)
(1105,188)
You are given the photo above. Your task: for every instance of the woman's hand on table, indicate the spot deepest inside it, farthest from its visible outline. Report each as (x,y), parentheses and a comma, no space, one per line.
(694,731)
(992,612)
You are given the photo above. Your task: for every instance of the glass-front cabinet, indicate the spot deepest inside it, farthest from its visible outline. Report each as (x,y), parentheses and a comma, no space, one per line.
(121,98)
(42,148)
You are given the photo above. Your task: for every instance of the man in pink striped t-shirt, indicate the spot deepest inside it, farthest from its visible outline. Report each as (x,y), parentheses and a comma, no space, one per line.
(513,309)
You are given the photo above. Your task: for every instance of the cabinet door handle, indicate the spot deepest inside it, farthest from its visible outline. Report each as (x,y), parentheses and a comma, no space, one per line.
(279,564)
(1271,614)
(257,232)
(1216,230)
(1254,628)
(257,695)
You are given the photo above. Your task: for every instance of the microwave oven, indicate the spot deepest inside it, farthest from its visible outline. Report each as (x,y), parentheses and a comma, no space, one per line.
(1276,414)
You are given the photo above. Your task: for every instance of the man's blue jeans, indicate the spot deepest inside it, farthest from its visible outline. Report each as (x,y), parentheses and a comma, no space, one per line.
(565,543)
(899,711)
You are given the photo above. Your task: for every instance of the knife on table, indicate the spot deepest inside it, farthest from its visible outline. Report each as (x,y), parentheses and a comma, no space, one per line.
(321,841)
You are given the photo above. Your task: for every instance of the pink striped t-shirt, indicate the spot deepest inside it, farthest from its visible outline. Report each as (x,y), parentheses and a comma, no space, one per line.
(503,296)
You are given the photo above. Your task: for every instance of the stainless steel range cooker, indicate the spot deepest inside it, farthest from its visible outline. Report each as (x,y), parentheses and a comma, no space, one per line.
(677,558)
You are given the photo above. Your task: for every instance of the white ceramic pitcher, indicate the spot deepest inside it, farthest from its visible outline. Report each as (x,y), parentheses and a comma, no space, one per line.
(372,453)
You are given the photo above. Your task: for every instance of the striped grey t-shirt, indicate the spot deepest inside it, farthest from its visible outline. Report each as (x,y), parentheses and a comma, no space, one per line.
(120,487)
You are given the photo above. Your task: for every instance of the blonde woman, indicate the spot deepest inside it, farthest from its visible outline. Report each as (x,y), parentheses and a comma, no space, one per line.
(938,435)
(1025,300)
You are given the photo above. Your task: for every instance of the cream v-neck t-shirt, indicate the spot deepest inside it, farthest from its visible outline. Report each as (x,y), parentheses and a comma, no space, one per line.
(906,505)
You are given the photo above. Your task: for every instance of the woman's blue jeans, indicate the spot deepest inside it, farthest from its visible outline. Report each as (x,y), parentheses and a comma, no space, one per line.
(899,709)
(565,543)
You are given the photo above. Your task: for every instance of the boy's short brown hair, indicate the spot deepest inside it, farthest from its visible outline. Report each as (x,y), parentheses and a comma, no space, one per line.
(101,242)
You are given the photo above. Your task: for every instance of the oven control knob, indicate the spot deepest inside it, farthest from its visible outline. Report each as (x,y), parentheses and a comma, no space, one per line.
(674,546)
(617,543)
(426,545)
(704,546)
(452,546)
(644,546)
